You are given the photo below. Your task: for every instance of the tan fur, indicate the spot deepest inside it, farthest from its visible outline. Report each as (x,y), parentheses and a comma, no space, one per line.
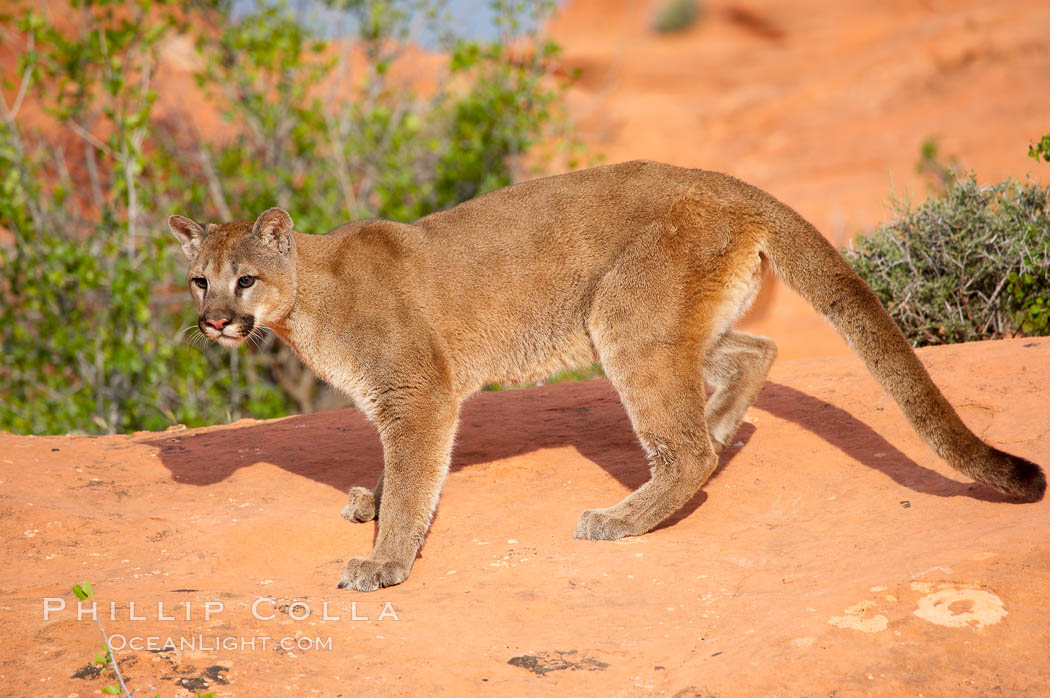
(642,266)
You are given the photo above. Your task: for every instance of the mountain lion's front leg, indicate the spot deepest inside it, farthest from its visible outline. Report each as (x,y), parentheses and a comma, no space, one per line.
(417,433)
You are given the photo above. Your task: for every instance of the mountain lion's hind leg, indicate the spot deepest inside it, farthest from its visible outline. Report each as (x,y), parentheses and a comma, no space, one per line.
(665,402)
(736,367)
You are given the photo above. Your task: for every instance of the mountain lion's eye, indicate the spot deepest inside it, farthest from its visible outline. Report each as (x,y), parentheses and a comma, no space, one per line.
(245,281)
(201,282)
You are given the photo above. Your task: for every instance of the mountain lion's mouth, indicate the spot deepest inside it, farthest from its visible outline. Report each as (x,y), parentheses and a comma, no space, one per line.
(228,341)
(231,335)
(228,336)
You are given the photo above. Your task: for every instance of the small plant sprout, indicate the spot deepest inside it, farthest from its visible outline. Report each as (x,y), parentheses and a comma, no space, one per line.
(103,659)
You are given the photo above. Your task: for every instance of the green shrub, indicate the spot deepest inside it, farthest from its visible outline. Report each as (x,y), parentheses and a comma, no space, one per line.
(94,297)
(676,16)
(1041,150)
(972,264)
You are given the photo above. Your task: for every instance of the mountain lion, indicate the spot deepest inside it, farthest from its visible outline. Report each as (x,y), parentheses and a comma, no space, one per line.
(641,266)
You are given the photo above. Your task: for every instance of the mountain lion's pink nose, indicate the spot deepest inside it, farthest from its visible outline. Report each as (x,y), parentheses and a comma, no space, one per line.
(218,324)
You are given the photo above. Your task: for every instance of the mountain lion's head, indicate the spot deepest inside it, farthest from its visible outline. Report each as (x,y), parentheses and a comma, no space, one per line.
(241,275)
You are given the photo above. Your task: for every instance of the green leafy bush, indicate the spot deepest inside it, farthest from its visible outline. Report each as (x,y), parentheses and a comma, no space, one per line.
(87,345)
(1040,150)
(94,297)
(972,264)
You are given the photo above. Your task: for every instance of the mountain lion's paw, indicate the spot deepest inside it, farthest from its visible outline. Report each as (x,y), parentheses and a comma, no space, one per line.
(364,574)
(599,524)
(360,505)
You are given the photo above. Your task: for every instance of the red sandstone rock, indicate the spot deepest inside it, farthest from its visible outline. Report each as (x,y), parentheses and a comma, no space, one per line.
(832,551)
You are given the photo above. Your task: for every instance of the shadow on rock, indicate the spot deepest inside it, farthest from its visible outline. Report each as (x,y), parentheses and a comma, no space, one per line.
(341,448)
(861,443)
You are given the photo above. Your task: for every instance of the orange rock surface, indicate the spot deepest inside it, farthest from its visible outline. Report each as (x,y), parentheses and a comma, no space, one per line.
(831,554)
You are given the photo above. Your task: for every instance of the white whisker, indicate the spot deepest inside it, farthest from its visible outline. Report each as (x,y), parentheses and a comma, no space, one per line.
(260,339)
(197,339)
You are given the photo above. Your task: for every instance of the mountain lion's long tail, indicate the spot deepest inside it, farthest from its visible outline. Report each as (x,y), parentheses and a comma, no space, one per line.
(815,269)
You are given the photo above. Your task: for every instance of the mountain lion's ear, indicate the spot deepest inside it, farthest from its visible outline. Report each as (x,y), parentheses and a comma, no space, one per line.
(274,229)
(189,233)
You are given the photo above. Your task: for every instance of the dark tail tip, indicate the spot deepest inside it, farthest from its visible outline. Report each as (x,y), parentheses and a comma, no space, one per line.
(1018,477)
(1032,479)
